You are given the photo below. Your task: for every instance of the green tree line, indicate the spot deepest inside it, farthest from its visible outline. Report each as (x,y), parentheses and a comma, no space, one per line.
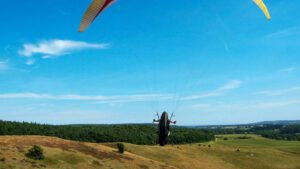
(142,134)
(272,131)
(280,132)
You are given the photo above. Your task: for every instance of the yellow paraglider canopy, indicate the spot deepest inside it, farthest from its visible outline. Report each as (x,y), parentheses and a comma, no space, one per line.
(263,7)
(92,12)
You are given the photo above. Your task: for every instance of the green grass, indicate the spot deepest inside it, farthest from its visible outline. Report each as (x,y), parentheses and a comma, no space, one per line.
(255,153)
(258,152)
(260,142)
(72,159)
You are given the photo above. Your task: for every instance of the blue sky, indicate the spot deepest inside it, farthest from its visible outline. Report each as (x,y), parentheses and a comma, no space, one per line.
(209,62)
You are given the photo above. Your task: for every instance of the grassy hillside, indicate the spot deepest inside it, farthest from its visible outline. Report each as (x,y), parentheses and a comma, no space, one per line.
(67,155)
(254,153)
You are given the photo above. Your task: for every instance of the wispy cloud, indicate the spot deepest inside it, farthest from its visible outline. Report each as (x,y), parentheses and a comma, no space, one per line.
(234,84)
(202,96)
(287,70)
(120,99)
(4,65)
(226,47)
(245,107)
(200,106)
(65,13)
(278,92)
(30,61)
(54,48)
(272,105)
(284,32)
(98,98)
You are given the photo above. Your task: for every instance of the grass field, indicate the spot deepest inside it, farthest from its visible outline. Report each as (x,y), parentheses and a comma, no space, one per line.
(232,153)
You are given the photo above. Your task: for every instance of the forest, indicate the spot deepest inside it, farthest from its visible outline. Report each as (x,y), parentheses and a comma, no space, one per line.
(142,134)
(279,132)
(272,131)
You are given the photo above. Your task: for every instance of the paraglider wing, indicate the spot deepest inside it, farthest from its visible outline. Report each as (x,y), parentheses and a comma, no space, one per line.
(92,12)
(263,7)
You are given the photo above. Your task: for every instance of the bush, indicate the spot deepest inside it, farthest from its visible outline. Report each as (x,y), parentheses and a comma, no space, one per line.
(121,147)
(243,137)
(36,153)
(2,159)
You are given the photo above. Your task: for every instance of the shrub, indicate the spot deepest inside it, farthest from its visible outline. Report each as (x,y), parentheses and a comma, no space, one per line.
(2,159)
(243,137)
(36,153)
(121,147)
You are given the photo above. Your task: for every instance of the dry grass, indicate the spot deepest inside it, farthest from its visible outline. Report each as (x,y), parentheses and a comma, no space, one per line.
(255,153)
(67,154)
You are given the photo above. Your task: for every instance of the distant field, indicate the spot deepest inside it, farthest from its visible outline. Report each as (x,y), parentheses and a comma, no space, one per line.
(232,153)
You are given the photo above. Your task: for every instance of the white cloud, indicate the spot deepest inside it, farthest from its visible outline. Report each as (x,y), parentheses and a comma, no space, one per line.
(202,96)
(278,92)
(30,61)
(272,105)
(284,32)
(4,65)
(118,98)
(200,106)
(100,99)
(54,48)
(245,107)
(226,47)
(121,98)
(234,84)
(287,70)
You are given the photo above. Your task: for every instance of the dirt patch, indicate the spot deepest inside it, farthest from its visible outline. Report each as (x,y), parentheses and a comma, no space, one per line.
(97,163)
(143,167)
(43,166)
(20,149)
